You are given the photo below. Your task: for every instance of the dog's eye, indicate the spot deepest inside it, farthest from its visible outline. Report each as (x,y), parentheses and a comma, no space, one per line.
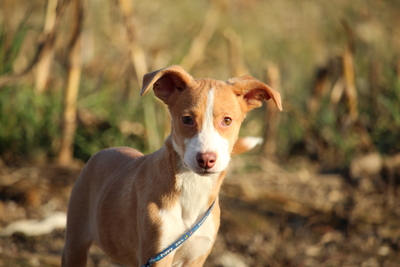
(187,120)
(226,121)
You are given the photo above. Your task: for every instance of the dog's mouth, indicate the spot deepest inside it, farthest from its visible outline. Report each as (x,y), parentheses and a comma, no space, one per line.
(198,170)
(205,172)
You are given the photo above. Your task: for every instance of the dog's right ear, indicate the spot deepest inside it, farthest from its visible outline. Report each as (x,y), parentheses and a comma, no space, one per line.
(166,81)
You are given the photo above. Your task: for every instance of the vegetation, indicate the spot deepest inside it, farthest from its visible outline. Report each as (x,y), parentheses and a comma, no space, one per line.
(306,40)
(322,191)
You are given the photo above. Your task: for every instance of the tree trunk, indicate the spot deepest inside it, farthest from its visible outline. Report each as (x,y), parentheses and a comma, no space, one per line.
(272,114)
(44,64)
(65,155)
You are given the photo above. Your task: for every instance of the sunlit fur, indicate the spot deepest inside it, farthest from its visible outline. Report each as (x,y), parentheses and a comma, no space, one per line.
(133,205)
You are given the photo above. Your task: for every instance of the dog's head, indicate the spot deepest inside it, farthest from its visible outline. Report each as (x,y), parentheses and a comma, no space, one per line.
(206,114)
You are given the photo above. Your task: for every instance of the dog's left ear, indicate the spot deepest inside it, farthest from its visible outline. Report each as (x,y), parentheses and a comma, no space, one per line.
(166,81)
(254,92)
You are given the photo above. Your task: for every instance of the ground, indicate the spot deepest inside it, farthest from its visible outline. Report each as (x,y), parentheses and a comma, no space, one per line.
(271,215)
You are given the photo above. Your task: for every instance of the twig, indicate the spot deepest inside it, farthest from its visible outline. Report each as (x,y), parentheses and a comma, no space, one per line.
(319,89)
(44,64)
(138,58)
(236,64)
(44,41)
(200,41)
(272,115)
(350,88)
(349,73)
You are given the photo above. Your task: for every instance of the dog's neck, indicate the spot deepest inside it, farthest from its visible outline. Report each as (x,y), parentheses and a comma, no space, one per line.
(195,192)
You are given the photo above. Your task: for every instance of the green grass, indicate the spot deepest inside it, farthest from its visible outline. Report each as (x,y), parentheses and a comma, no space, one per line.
(28,122)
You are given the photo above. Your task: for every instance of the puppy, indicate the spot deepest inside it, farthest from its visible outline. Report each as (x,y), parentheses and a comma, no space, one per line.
(136,206)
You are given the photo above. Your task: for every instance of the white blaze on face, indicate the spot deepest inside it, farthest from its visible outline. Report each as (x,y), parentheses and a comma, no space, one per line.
(207,140)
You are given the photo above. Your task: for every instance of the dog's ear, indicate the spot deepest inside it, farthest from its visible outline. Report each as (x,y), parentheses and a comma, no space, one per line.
(166,81)
(253,92)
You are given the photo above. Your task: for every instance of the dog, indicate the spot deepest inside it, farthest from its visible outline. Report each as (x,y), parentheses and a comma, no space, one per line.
(133,206)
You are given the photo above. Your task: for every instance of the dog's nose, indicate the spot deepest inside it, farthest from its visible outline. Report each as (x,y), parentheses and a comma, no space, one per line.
(206,160)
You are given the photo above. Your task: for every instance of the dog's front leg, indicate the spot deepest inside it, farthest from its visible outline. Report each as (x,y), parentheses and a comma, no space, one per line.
(199,262)
(75,252)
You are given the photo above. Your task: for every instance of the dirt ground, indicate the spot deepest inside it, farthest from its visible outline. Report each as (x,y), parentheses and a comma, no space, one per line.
(271,216)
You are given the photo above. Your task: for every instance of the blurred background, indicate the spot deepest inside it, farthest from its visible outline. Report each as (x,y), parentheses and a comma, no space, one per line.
(322,189)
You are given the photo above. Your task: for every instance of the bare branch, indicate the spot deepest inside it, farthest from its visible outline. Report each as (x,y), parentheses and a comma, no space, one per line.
(201,40)
(44,41)
(236,59)
(65,154)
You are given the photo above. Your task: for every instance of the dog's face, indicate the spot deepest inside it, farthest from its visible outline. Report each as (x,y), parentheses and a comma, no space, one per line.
(206,118)
(206,114)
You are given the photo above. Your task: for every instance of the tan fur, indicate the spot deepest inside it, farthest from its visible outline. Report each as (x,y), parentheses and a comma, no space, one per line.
(119,200)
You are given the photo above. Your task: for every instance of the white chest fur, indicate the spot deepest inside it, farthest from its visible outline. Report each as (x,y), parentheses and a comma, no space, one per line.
(189,210)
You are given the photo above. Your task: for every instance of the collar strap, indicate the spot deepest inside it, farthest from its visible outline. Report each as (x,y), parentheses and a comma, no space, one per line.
(180,241)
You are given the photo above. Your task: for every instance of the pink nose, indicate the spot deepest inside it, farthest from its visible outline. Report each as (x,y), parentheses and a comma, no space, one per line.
(206,160)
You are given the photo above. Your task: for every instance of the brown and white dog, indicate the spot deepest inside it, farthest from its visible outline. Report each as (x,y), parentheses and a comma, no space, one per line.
(133,205)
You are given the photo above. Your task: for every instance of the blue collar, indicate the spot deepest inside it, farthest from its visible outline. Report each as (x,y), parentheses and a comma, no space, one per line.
(179,242)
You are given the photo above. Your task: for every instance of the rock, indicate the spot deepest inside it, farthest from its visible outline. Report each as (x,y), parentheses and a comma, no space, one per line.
(367,165)
(55,220)
(229,259)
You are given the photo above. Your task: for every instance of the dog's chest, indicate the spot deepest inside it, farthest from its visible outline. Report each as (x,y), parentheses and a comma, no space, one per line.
(188,211)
